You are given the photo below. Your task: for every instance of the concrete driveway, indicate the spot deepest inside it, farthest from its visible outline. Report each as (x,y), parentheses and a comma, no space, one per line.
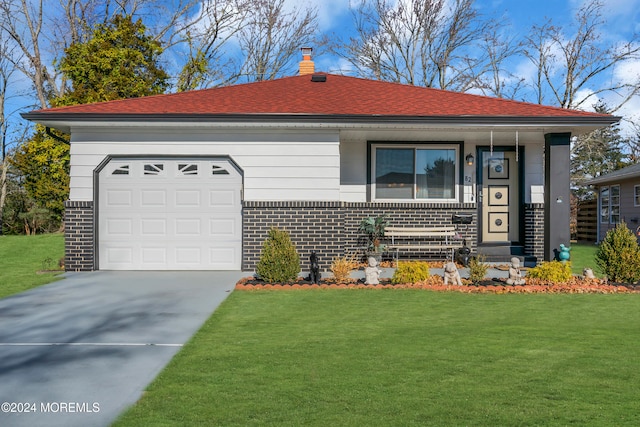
(79,351)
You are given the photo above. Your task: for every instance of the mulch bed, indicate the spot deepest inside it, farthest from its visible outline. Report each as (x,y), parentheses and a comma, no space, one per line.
(436,283)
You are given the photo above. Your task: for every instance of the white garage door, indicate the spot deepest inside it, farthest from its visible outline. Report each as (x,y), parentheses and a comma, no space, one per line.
(177,214)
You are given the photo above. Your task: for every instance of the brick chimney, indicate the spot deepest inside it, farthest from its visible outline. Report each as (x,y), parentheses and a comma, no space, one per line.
(306,65)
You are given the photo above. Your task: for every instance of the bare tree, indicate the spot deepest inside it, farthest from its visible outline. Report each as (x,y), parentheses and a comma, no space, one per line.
(569,60)
(495,77)
(271,37)
(207,37)
(22,22)
(7,69)
(430,43)
(633,143)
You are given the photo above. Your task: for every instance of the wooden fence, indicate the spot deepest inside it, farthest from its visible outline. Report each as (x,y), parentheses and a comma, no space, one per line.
(587,221)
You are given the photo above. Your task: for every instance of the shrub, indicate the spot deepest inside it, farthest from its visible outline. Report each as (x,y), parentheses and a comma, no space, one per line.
(619,255)
(553,271)
(410,272)
(477,269)
(341,268)
(279,260)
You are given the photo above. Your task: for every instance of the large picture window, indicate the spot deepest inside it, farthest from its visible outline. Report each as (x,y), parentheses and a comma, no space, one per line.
(415,173)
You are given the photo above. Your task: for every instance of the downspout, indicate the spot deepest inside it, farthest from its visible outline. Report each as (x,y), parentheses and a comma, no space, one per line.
(47,130)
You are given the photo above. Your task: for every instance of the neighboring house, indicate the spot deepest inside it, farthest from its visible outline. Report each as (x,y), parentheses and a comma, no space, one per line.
(618,199)
(195,180)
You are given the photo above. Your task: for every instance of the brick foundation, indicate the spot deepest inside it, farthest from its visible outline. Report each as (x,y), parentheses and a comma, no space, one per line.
(534,230)
(331,228)
(79,237)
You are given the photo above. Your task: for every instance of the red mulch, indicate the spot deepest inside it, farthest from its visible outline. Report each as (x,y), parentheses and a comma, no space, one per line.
(436,283)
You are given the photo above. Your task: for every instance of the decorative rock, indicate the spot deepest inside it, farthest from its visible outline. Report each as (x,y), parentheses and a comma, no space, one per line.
(372,273)
(451,274)
(515,277)
(588,273)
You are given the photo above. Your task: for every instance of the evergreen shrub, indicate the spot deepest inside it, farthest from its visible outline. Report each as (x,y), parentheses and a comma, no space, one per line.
(410,272)
(477,269)
(619,255)
(279,261)
(552,271)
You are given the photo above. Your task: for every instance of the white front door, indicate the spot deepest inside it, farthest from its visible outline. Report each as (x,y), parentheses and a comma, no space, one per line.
(170,214)
(500,198)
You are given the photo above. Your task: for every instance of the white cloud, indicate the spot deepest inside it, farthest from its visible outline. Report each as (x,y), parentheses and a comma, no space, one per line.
(586,99)
(627,72)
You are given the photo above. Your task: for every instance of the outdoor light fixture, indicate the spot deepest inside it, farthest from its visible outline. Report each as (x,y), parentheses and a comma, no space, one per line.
(469,159)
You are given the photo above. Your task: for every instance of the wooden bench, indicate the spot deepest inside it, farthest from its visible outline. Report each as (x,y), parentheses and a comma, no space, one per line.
(443,239)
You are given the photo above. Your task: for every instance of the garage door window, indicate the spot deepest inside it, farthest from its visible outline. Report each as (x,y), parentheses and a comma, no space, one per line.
(121,170)
(188,168)
(219,170)
(153,169)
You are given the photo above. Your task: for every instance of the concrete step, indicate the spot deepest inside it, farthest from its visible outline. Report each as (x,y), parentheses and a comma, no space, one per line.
(502,254)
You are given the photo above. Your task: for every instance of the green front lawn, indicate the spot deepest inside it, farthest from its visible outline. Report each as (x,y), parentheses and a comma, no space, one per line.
(404,357)
(22,259)
(584,255)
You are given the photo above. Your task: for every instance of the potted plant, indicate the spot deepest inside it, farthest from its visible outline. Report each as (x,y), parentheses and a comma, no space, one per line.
(373,228)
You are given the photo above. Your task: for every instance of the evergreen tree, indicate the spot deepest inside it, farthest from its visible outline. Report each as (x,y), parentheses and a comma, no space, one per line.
(595,154)
(43,163)
(118,61)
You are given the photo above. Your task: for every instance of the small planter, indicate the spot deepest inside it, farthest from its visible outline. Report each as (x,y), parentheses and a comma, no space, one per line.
(373,230)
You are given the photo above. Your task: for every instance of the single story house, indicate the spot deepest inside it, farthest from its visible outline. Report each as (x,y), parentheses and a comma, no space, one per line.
(618,199)
(195,180)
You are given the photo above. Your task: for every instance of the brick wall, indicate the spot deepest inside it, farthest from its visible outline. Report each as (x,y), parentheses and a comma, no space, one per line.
(79,244)
(331,228)
(534,230)
(315,226)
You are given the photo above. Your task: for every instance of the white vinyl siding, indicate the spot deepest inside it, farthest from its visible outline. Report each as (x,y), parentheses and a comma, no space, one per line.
(276,166)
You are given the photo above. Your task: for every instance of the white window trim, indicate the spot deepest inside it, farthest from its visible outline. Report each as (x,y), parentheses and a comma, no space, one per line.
(416,146)
(636,195)
(611,205)
(601,206)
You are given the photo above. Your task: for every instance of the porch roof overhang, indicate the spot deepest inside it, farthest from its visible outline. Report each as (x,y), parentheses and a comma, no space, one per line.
(549,124)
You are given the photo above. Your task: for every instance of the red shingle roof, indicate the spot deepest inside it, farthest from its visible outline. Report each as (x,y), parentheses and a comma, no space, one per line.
(338,95)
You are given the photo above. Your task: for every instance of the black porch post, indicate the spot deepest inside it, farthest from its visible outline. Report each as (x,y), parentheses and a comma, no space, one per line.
(557,203)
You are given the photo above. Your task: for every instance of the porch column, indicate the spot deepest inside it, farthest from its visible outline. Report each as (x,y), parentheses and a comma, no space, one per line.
(557,203)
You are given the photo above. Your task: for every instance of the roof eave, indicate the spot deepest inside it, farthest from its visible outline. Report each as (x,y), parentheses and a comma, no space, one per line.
(44,117)
(610,179)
